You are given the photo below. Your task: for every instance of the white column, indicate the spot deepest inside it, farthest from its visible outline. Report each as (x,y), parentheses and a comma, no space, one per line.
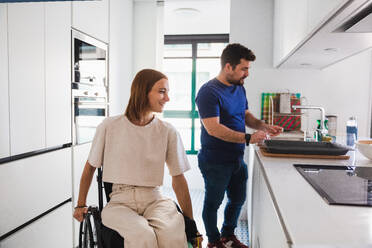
(120,54)
(147,34)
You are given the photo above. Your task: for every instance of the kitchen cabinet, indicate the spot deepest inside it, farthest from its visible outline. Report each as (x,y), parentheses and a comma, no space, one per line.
(31,186)
(288,34)
(306,219)
(92,18)
(58,73)
(311,33)
(52,230)
(26,76)
(80,156)
(266,229)
(4,98)
(39,50)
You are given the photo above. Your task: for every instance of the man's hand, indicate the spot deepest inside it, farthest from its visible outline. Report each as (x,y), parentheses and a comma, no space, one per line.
(272,130)
(257,137)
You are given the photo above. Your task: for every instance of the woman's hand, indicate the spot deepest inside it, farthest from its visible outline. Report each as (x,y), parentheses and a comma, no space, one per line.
(181,190)
(79,213)
(85,181)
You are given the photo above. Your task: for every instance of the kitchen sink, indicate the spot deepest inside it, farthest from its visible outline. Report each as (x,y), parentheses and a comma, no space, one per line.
(289,135)
(304,147)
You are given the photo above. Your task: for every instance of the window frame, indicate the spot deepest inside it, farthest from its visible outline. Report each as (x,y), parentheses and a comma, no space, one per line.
(194,40)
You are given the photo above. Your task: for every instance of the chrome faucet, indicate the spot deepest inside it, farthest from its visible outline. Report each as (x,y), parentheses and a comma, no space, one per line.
(323,130)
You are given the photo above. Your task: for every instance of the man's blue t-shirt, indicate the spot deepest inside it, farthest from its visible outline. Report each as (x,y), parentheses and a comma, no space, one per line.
(229,103)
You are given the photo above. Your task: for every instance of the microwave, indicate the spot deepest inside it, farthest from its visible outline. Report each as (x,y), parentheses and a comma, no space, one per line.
(89,60)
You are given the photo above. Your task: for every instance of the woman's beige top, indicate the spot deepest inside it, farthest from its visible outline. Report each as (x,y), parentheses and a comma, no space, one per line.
(136,155)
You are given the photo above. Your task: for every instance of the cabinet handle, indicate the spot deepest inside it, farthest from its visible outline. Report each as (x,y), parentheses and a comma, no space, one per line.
(86,93)
(93,103)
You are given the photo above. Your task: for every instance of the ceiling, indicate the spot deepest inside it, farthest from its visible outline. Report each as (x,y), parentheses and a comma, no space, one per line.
(196,16)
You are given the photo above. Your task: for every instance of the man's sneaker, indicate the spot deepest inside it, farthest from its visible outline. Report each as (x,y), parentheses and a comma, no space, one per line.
(232,242)
(217,244)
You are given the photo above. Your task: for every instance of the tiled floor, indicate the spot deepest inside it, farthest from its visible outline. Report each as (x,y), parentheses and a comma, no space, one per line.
(197,197)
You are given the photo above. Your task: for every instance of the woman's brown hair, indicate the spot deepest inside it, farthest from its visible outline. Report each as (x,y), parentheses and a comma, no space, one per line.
(141,86)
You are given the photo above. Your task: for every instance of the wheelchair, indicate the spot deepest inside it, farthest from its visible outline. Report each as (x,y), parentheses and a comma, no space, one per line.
(93,234)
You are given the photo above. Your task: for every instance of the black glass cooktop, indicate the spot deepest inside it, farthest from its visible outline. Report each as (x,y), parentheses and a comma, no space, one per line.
(340,185)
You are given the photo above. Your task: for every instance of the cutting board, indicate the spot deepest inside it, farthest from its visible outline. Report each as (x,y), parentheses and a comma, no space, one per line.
(280,155)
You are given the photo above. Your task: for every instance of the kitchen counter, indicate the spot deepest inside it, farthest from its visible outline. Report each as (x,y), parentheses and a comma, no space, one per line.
(305,218)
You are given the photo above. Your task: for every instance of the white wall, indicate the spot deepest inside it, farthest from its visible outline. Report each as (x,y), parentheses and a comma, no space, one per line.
(341,89)
(347,91)
(120,54)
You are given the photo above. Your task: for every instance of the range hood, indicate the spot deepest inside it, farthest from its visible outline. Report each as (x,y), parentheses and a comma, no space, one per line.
(360,21)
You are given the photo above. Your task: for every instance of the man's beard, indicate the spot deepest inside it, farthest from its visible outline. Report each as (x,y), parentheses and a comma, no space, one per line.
(236,82)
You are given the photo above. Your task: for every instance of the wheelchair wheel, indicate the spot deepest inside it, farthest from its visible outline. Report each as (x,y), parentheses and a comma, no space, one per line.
(87,233)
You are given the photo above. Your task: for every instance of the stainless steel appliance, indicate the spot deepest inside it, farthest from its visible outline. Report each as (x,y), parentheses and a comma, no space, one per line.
(89,86)
(340,185)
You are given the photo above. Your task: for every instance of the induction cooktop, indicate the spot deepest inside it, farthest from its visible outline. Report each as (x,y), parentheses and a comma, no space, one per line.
(340,185)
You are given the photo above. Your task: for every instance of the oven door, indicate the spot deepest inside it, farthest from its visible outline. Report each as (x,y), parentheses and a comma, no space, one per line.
(89,112)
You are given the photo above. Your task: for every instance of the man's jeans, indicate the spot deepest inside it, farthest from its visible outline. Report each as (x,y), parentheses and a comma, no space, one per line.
(219,178)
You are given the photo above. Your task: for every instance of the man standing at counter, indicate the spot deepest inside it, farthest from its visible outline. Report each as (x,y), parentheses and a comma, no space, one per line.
(223,109)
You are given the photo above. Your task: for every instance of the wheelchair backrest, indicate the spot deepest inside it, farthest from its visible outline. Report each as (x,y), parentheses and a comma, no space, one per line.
(103,185)
(108,190)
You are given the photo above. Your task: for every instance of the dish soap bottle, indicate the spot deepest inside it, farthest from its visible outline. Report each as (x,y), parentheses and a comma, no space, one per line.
(351,131)
(319,128)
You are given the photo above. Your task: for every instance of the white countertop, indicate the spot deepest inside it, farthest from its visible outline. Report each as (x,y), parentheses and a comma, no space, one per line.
(310,221)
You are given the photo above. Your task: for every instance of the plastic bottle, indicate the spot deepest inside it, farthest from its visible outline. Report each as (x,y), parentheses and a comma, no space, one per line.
(351,131)
(318,129)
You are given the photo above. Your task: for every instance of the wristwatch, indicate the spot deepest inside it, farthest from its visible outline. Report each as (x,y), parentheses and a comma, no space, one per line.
(247,138)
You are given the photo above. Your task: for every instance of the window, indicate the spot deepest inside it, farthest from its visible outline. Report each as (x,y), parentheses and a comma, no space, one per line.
(189,61)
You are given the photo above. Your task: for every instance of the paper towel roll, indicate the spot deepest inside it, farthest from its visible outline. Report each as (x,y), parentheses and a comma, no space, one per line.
(285,103)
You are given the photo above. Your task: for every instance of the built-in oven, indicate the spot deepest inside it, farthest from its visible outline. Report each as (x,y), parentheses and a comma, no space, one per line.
(90,108)
(89,86)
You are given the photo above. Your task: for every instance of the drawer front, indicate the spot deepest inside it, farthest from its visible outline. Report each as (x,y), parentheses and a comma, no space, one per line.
(52,230)
(31,186)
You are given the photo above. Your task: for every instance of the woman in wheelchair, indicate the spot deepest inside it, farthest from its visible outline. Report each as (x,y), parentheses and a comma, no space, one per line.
(133,149)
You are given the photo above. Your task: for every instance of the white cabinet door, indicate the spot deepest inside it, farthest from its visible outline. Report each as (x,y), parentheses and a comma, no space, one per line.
(26,76)
(256,206)
(92,18)
(52,230)
(267,231)
(29,187)
(4,98)
(297,20)
(287,32)
(58,73)
(270,232)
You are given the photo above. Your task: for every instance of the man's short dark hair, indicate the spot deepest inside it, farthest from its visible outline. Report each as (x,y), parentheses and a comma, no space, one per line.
(233,53)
